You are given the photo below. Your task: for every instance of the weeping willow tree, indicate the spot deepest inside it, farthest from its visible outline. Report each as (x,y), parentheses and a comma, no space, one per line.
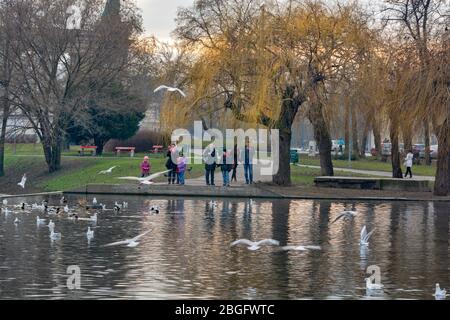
(433,101)
(262,63)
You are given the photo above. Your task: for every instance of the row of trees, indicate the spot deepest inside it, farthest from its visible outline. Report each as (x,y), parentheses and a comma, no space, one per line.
(268,62)
(71,67)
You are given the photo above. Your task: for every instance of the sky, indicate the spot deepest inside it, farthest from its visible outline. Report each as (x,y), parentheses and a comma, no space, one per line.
(159,16)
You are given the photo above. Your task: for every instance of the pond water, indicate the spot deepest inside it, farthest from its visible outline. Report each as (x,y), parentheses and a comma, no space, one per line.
(187,253)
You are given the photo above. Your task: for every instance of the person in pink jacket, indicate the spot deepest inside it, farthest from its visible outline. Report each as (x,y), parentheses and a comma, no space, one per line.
(146,167)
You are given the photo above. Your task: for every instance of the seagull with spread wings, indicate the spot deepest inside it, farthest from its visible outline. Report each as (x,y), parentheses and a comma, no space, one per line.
(301,248)
(365,236)
(23,181)
(170,89)
(251,245)
(129,242)
(147,180)
(347,215)
(109,171)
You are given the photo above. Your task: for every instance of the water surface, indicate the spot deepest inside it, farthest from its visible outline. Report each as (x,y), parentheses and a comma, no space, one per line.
(187,254)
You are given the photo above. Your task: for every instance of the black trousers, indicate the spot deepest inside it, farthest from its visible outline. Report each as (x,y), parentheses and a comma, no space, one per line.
(172,176)
(408,170)
(209,172)
(234,176)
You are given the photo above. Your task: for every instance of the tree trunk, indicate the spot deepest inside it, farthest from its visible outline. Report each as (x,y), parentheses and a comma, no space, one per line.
(377,137)
(283,176)
(395,153)
(289,110)
(3,136)
(442,179)
(355,146)
(407,138)
(322,137)
(347,130)
(100,143)
(52,152)
(426,127)
(365,138)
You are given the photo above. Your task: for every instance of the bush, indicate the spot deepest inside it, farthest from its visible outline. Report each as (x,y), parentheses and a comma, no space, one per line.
(143,141)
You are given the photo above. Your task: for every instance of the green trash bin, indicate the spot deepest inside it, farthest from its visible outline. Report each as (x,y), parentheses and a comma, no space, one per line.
(294,156)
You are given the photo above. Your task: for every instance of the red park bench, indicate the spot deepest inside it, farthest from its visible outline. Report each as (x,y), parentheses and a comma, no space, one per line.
(128,149)
(157,149)
(93,149)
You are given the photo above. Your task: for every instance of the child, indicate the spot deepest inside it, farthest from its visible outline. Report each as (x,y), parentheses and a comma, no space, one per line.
(145,167)
(181,168)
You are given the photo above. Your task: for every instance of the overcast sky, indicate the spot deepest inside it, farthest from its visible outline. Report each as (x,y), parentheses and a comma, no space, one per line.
(159,16)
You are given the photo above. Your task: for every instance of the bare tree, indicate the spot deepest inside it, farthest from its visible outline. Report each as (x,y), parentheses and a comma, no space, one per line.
(65,52)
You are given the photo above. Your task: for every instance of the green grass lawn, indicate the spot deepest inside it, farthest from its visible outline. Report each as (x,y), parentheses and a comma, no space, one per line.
(369,164)
(76,172)
(79,171)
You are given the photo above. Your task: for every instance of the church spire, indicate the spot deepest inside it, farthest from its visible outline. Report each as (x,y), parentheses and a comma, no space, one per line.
(112,8)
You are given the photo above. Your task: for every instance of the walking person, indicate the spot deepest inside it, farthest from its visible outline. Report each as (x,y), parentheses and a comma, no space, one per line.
(226,167)
(181,169)
(171,163)
(248,162)
(209,157)
(235,163)
(409,163)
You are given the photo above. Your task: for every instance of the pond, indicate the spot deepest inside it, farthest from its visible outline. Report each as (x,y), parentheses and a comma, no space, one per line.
(187,253)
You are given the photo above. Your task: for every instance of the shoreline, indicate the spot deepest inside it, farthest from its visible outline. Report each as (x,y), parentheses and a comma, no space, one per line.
(258,191)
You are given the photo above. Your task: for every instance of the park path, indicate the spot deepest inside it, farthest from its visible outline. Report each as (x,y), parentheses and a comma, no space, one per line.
(257,177)
(370,172)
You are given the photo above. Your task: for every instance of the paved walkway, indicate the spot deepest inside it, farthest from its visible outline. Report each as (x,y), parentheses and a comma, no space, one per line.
(372,173)
(257,177)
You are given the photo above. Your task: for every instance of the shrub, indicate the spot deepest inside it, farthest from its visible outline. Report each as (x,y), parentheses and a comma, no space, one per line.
(143,141)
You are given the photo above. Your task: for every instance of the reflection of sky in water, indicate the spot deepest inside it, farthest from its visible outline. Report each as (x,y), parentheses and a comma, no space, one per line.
(187,254)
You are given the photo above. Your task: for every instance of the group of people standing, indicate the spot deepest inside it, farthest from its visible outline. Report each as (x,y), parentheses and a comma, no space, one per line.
(228,163)
(176,164)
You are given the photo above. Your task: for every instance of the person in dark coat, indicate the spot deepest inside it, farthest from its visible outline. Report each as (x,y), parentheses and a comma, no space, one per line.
(171,163)
(235,163)
(209,157)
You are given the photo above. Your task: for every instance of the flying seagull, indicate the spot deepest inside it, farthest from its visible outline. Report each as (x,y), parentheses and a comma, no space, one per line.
(440,293)
(170,89)
(129,242)
(255,245)
(365,236)
(146,180)
(301,248)
(23,181)
(346,215)
(109,171)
